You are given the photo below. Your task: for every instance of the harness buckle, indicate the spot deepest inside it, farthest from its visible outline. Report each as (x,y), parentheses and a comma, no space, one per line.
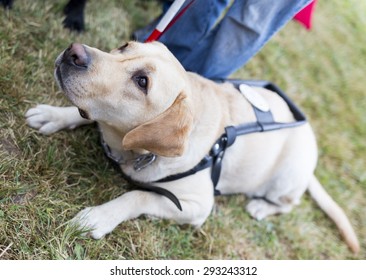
(143,161)
(219,146)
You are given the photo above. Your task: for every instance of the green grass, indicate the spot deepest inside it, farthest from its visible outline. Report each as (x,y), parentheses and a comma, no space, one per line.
(45,181)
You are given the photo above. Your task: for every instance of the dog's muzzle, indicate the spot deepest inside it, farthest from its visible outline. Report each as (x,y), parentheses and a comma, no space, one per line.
(75,55)
(74,58)
(70,65)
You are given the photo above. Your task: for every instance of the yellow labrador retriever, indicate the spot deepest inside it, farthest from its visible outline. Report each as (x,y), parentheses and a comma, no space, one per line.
(158,120)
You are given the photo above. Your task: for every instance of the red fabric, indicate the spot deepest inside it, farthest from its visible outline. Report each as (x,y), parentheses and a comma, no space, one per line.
(305,15)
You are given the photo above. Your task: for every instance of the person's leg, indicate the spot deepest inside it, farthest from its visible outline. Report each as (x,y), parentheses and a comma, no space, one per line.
(193,26)
(247,26)
(216,51)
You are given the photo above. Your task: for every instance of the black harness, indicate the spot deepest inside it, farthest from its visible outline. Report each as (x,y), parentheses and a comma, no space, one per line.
(214,158)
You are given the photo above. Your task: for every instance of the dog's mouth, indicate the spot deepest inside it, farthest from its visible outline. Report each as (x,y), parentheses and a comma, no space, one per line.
(58,78)
(59,59)
(57,71)
(73,60)
(70,94)
(68,79)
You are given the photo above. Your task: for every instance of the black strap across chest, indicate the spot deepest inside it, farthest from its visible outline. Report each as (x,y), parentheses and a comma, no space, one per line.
(264,122)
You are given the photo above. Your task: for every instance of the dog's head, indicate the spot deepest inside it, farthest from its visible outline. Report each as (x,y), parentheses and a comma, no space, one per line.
(138,89)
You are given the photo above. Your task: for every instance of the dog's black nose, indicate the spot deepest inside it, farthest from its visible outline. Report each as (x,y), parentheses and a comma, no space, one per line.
(76,55)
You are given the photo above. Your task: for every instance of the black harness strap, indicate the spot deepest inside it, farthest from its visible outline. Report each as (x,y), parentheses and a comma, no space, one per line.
(206,162)
(144,186)
(218,152)
(265,122)
(213,159)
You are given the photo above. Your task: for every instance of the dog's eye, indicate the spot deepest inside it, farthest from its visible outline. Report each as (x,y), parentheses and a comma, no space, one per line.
(83,114)
(121,48)
(142,82)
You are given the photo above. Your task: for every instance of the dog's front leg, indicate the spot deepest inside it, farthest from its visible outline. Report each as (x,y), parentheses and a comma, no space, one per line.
(50,119)
(104,218)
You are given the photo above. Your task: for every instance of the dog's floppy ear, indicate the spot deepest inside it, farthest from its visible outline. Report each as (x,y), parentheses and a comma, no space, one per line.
(167,134)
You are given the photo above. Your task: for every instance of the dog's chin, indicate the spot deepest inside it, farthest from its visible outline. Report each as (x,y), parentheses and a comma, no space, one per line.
(70,96)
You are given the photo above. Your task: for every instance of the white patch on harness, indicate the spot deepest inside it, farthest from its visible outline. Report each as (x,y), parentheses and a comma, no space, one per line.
(254,98)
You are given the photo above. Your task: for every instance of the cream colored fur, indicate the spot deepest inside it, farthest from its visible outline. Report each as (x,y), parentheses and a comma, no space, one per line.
(179,119)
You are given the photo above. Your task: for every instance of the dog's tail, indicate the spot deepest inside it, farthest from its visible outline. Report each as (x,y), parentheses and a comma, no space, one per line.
(331,208)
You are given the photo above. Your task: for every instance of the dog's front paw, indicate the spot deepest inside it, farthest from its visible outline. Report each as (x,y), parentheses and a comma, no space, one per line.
(93,221)
(46,119)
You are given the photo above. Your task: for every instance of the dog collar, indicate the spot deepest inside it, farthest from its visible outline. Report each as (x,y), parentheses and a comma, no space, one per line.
(138,163)
(264,122)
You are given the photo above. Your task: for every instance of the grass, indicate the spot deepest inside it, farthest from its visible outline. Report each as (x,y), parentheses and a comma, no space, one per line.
(45,181)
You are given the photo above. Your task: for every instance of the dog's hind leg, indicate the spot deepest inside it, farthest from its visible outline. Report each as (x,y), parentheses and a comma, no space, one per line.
(260,208)
(50,119)
(278,195)
(289,177)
